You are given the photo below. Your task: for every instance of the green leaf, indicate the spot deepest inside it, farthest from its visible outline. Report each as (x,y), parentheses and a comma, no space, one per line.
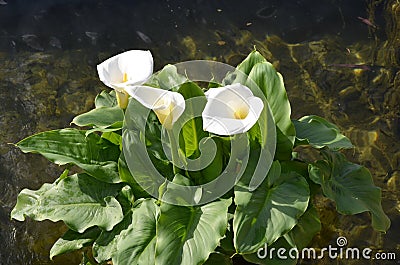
(187,235)
(72,240)
(192,131)
(105,99)
(105,246)
(97,157)
(320,133)
(106,117)
(112,137)
(250,61)
(264,215)
(145,169)
(136,245)
(305,230)
(350,186)
(214,169)
(79,200)
(169,78)
(101,118)
(240,75)
(28,202)
(265,77)
(266,133)
(127,177)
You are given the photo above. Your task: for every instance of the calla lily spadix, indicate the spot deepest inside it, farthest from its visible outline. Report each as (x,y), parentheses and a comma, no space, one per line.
(167,105)
(231,110)
(126,69)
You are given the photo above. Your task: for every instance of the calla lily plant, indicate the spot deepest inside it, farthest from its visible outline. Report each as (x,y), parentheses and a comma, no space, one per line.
(195,213)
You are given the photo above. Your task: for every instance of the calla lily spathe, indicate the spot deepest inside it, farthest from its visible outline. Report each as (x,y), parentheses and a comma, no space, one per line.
(231,110)
(167,105)
(126,69)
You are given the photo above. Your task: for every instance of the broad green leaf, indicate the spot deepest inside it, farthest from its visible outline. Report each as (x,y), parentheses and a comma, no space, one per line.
(187,235)
(168,78)
(268,255)
(72,240)
(215,168)
(70,146)
(127,177)
(270,211)
(298,238)
(265,77)
(301,168)
(28,202)
(250,61)
(217,258)
(136,244)
(101,118)
(79,200)
(106,117)
(112,137)
(266,133)
(105,246)
(226,244)
(261,77)
(145,169)
(192,131)
(320,133)
(242,71)
(350,186)
(305,230)
(105,99)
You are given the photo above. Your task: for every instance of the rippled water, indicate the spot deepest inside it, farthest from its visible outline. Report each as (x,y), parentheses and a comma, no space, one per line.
(49,50)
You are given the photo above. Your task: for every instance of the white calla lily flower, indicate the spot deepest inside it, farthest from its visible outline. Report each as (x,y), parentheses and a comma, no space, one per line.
(231,110)
(167,105)
(126,69)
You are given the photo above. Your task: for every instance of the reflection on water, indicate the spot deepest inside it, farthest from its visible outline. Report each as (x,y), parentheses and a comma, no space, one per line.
(335,66)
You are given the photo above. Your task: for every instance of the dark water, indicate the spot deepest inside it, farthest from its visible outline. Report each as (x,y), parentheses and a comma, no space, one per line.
(49,50)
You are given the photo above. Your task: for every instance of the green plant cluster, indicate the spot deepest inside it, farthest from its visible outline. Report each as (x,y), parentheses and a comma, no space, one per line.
(107,212)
